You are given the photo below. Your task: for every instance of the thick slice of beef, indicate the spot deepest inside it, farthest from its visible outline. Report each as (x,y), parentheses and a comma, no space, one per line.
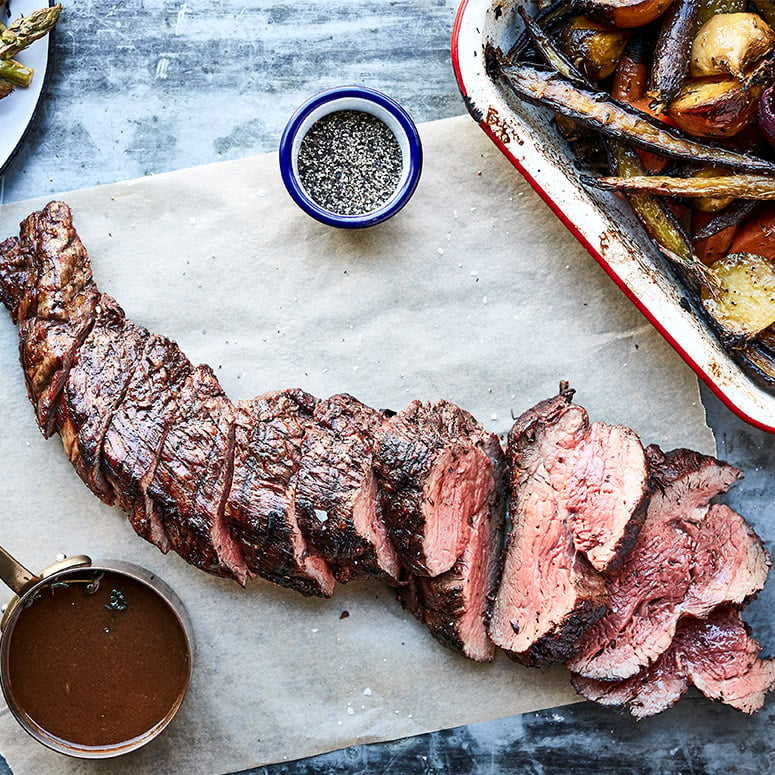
(606,494)
(261,506)
(96,384)
(337,499)
(57,308)
(679,565)
(193,476)
(549,594)
(134,437)
(717,655)
(337,503)
(434,477)
(454,604)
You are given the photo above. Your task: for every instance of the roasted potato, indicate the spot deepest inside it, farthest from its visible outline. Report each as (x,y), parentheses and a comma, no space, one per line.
(743,301)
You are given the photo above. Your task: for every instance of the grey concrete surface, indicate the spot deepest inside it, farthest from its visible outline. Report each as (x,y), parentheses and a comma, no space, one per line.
(146,86)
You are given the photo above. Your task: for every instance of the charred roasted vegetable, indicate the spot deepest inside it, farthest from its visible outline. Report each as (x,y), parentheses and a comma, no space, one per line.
(617,120)
(671,58)
(734,186)
(743,301)
(622,13)
(730,44)
(593,47)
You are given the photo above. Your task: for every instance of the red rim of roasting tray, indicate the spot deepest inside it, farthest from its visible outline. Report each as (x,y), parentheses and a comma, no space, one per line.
(600,221)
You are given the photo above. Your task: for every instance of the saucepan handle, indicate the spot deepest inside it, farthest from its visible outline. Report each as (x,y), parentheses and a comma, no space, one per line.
(13,573)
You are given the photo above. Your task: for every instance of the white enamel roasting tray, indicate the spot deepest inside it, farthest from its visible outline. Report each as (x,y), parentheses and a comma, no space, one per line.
(601,221)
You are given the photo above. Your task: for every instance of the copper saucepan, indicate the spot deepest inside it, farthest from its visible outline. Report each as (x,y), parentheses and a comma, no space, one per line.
(71,582)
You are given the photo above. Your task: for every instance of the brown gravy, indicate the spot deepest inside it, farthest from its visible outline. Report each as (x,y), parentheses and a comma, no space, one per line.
(97,667)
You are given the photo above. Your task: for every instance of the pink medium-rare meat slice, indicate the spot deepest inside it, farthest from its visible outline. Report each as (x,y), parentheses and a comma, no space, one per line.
(337,503)
(134,437)
(606,494)
(261,506)
(96,384)
(57,307)
(717,655)
(548,594)
(434,476)
(454,605)
(646,596)
(193,476)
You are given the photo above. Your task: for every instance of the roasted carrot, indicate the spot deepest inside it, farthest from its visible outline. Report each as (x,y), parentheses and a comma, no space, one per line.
(717,245)
(757,234)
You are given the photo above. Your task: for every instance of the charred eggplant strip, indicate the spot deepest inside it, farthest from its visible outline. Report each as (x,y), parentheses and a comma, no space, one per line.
(547,50)
(671,57)
(552,13)
(597,110)
(757,187)
(657,219)
(735,214)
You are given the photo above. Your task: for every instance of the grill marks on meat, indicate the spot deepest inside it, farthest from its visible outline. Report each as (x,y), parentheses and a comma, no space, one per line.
(665,576)
(96,384)
(134,437)
(56,307)
(716,654)
(338,510)
(261,506)
(617,563)
(193,475)
(434,477)
(454,605)
(548,593)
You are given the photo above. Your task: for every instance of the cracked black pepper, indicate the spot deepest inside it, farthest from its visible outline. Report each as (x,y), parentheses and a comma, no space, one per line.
(350,162)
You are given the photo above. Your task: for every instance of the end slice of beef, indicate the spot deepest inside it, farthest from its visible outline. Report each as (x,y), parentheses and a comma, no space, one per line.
(138,427)
(434,477)
(717,655)
(193,476)
(606,494)
(57,308)
(261,506)
(15,269)
(549,594)
(96,384)
(337,501)
(647,596)
(454,605)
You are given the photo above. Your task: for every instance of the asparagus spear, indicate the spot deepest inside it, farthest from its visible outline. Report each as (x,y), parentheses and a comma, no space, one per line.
(15,73)
(26,29)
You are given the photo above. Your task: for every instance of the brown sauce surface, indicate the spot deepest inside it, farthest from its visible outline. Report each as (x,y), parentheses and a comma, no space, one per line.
(96,668)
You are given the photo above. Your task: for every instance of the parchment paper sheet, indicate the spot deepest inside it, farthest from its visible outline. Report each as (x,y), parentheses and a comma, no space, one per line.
(474,293)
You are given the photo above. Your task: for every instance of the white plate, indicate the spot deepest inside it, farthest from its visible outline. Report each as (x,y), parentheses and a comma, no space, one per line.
(602,222)
(18,109)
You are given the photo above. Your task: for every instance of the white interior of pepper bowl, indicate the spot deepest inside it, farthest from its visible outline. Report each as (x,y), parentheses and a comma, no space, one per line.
(365,106)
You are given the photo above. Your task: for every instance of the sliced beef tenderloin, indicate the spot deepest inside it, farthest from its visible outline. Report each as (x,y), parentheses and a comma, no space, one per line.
(137,429)
(455,603)
(549,594)
(606,494)
(96,384)
(261,506)
(193,476)
(337,503)
(663,574)
(717,655)
(57,308)
(434,477)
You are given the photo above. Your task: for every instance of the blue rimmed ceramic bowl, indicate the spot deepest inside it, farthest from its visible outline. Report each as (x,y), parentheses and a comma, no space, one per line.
(352,98)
